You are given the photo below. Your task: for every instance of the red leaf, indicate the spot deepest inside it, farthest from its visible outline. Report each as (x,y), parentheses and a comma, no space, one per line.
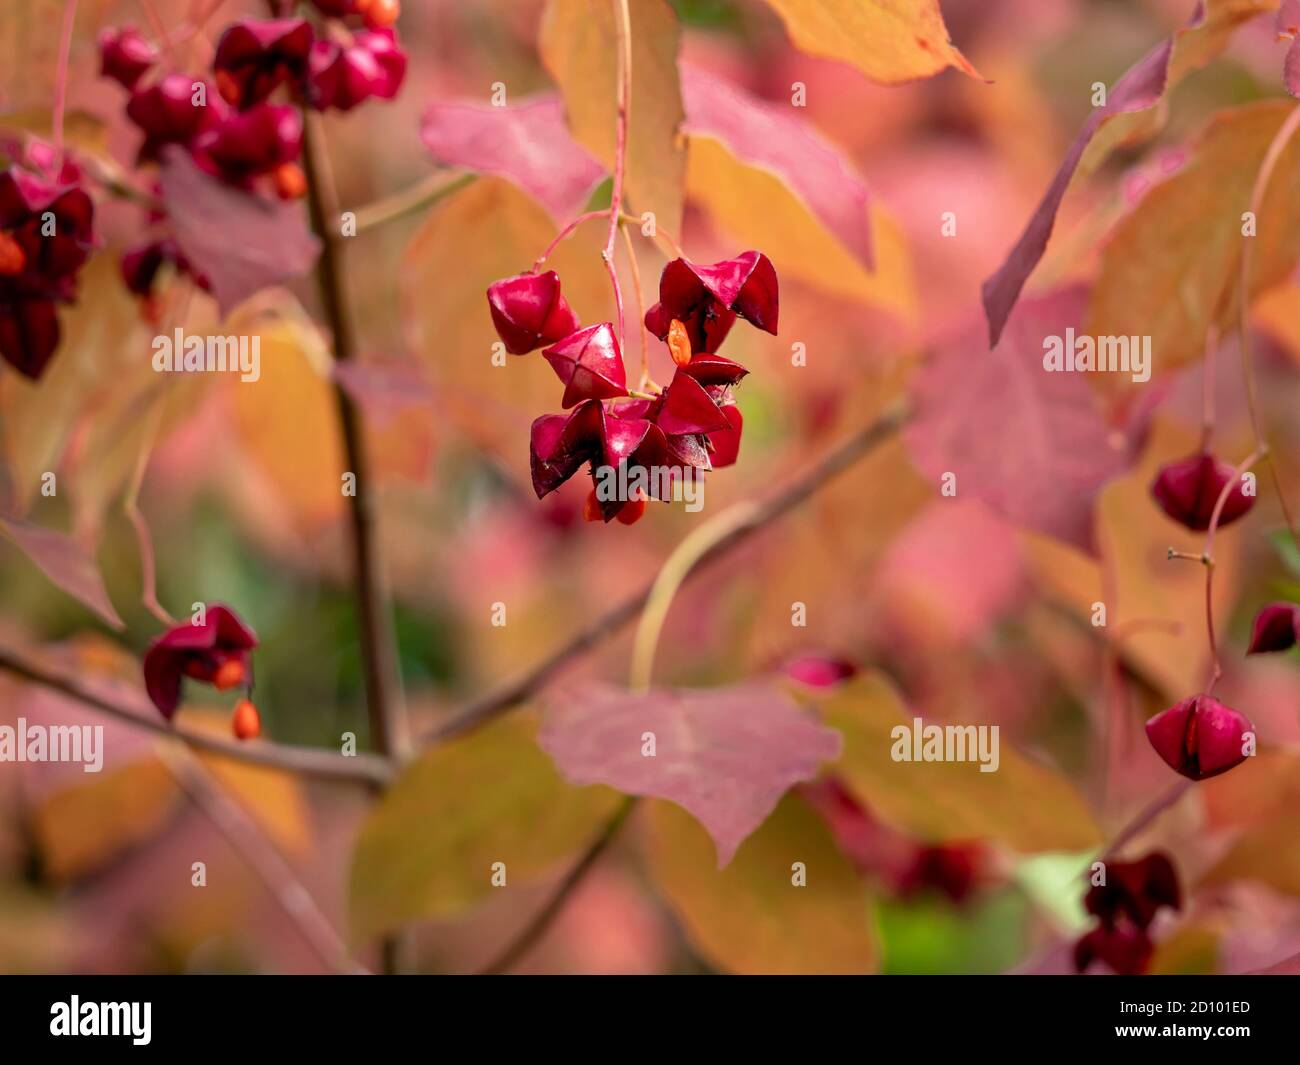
(727,755)
(1139,88)
(528,144)
(768,136)
(239,241)
(1030,443)
(66,563)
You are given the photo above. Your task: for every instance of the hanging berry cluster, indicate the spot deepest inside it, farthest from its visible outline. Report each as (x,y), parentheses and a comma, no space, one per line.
(1125,904)
(46,235)
(690,426)
(231,126)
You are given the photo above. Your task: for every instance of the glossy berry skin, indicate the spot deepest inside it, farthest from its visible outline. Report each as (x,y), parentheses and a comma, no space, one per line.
(242,145)
(1187,490)
(165,112)
(125,56)
(246,722)
(1276,628)
(1200,737)
(706,299)
(201,652)
(590,363)
(529,310)
(254,57)
(342,76)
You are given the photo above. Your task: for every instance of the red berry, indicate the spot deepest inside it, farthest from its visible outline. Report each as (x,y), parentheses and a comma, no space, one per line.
(198,651)
(380,14)
(632,511)
(290,181)
(528,310)
(1187,490)
(589,363)
(1135,890)
(125,56)
(1200,737)
(1277,628)
(230,674)
(12,256)
(245,722)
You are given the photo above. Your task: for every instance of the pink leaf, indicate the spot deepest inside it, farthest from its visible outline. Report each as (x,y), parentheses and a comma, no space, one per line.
(767,136)
(239,241)
(727,755)
(528,144)
(384,388)
(66,563)
(1137,90)
(1032,444)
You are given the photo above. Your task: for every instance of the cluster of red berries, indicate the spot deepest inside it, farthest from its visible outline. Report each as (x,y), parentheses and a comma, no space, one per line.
(691,426)
(215,648)
(230,127)
(1125,905)
(46,235)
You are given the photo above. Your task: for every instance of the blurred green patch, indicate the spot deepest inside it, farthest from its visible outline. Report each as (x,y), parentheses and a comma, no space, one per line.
(930,935)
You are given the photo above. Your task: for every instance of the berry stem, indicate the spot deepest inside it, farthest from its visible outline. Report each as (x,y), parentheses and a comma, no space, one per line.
(623,22)
(1274,153)
(1147,815)
(566,231)
(61,86)
(1216,669)
(640,307)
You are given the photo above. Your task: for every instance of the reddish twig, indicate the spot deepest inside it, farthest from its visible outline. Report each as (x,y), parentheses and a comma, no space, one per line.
(362,768)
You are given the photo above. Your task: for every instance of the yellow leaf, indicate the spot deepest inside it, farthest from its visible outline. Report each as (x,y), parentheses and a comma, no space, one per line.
(428,848)
(579,47)
(102,339)
(1024,805)
(1171,269)
(888,40)
(758,209)
(80,828)
(288,421)
(487,231)
(751,917)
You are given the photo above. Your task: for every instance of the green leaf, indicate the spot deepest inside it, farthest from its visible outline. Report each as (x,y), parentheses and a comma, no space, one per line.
(428,847)
(750,917)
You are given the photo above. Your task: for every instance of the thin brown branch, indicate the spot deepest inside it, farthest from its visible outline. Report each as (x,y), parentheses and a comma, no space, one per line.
(262,856)
(494,704)
(545,917)
(361,768)
(379,663)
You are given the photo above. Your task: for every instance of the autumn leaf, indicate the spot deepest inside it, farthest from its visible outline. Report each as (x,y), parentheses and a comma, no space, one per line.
(579,47)
(755,916)
(768,137)
(888,40)
(759,210)
(1170,269)
(727,755)
(1024,805)
(66,563)
(526,143)
(239,241)
(1125,115)
(1030,443)
(482,233)
(428,848)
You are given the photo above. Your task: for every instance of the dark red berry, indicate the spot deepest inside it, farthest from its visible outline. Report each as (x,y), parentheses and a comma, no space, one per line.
(1276,628)
(1135,891)
(1200,737)
(125,56)
(706,299)
(256,56)
(1127,950)
(342,76)
(528,310)
(201,652)
(1187,490)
